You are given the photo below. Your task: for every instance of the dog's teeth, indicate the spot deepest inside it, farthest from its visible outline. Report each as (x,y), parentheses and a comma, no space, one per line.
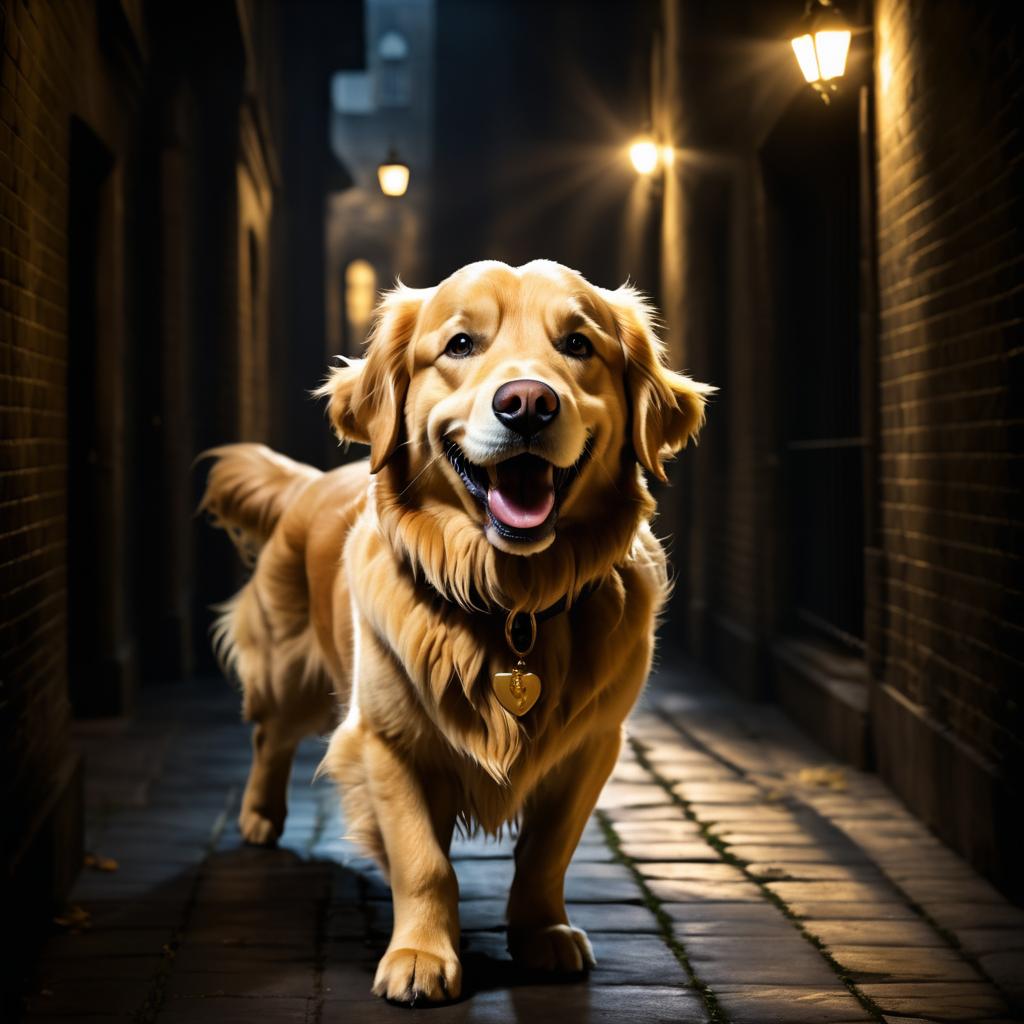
(492,475)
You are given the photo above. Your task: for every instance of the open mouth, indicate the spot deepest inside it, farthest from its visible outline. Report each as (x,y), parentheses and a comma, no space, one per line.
(522,494)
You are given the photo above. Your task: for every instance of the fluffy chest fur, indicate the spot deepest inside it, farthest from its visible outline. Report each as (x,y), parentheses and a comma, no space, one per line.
(423,671)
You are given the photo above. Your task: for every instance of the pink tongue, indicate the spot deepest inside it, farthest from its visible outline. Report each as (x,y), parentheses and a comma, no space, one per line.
(524,494)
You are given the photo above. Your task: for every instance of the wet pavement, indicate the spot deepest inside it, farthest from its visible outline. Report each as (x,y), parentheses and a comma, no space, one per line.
(732,873)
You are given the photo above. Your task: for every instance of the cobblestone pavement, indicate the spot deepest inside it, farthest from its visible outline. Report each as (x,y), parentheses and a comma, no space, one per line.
(731,874)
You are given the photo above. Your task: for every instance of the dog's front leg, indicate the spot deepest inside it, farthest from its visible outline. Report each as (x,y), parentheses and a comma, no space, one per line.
(416,822)
(539,933)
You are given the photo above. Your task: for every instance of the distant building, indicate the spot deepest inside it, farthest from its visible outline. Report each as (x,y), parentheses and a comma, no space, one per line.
(388,107)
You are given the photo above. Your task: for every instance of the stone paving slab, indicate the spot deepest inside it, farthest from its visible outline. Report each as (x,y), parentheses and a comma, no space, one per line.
(229,1010)
(673,890)
(909,934)
(666,812)
(836,910)
(801,871)
(641,851)
(867,893)
(689,870)
(87,996)
(939,1001)
(539,1004)
(715,882)
(885,963)
(816,853)
(788,958)
(782,1004)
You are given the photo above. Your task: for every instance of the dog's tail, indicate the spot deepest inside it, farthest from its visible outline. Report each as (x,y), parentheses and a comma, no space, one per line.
(248,489)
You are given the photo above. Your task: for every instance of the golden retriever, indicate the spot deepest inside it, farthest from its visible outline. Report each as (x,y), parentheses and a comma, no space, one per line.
(479,597)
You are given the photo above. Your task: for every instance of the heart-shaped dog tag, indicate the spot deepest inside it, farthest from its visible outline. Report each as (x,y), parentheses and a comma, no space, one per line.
(517,690)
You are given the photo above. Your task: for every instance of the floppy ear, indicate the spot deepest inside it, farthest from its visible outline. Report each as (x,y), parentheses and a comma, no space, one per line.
(366,396)
(667,407)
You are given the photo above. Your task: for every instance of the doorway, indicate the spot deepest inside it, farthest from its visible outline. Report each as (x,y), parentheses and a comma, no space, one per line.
(96,684)
(811,175)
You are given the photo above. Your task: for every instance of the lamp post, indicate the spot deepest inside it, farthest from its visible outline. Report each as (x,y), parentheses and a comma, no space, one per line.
(393,174)
(821,46)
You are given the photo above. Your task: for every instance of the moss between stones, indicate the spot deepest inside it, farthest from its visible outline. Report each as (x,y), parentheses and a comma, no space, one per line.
(715,1012)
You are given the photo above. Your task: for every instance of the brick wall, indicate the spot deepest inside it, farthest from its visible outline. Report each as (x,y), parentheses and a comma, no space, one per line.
(38,62)
(950,210)
(934,698)
(96,115)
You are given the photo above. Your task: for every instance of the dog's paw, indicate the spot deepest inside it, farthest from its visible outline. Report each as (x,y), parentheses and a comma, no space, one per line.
(559,948)
(413,976)
(257,829)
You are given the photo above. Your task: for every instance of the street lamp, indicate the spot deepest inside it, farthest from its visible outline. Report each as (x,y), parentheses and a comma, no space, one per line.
(393,174)
(821,46)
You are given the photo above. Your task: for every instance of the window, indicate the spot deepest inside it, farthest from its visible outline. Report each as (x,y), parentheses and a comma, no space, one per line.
(352,92)
(394,78)
(360,297)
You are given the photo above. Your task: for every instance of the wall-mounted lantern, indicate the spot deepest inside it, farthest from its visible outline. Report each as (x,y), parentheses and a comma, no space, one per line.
(821,45)
(393,174)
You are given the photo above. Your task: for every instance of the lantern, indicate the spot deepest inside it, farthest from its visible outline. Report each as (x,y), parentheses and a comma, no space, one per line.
(393,175)
(821,47)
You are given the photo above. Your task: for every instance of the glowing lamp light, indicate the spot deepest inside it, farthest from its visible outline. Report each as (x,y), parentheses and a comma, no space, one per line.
(822,46)
(393,175)
(644,154)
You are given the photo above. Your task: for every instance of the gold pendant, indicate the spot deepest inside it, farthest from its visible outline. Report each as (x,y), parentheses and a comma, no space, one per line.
(517,690)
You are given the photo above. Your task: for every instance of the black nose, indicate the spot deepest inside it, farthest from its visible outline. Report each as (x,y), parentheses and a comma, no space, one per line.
(525,406)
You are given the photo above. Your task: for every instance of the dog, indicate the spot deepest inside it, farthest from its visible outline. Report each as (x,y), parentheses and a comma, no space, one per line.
(478,599)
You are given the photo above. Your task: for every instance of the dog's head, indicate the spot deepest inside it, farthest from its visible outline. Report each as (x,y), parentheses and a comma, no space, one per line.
(516,397)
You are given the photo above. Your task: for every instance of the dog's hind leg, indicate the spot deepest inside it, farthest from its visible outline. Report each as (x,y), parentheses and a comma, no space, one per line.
(287,697)
(265,802)
(275,738)
(345,764)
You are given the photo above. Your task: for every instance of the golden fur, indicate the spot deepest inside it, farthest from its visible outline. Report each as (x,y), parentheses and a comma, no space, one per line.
(381,589)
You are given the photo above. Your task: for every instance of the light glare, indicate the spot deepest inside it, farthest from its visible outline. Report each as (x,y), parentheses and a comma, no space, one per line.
(644,155)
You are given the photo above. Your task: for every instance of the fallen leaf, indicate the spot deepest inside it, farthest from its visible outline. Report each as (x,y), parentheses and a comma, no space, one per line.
(98,863)
(75,919)
(824,776)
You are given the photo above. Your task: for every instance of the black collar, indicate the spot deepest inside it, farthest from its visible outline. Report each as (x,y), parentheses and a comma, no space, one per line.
(521,628)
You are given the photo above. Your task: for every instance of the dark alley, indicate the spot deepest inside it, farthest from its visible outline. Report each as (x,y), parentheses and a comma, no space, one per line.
(394,385)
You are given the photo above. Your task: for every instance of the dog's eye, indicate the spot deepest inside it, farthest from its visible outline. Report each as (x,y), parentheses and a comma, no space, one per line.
(578,346)
(459,347)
